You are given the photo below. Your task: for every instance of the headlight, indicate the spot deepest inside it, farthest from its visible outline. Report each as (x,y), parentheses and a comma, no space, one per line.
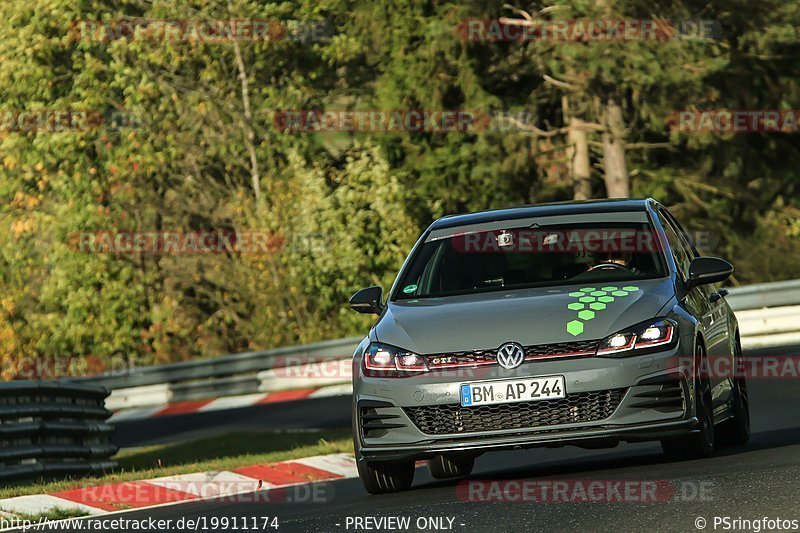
(389,361)
(659,332)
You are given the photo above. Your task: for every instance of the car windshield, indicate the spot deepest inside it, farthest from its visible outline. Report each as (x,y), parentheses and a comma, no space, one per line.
(469,260)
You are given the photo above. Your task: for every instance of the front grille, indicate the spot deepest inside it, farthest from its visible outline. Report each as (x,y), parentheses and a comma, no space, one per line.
(489,357)
(575,408)
(561,348)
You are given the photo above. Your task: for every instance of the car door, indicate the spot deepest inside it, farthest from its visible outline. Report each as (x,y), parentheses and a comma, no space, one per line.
(710,309)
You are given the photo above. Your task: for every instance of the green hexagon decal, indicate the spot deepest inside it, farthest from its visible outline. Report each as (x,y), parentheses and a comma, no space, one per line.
(574,327)
(597,301)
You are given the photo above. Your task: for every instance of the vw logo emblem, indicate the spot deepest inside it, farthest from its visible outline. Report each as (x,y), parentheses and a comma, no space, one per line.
(510,355)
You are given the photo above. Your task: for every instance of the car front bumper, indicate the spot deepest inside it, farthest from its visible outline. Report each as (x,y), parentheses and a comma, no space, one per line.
(642,413)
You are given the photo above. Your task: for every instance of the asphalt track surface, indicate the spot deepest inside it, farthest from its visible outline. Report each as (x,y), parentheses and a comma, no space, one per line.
(759,480)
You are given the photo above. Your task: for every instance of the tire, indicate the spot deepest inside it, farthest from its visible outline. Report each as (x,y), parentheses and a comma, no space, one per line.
(700,444)
(451,466)
(383,477)
(736,430)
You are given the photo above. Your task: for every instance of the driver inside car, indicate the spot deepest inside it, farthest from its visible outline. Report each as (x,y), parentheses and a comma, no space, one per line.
(615,260)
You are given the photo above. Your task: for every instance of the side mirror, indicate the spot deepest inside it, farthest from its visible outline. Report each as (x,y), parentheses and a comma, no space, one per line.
(704,270)
(367,300)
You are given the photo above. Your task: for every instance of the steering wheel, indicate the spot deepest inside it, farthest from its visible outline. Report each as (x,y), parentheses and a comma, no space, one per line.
(604,266)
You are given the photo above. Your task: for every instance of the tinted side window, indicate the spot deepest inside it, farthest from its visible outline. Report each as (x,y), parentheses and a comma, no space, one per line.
(682,233)
(681,254)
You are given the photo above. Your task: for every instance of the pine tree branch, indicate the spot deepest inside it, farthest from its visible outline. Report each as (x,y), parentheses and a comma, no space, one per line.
(562,84)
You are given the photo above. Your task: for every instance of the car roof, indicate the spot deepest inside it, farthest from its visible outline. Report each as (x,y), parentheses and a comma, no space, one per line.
(616,205)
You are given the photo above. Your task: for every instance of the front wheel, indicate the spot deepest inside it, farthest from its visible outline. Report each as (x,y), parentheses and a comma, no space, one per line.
(736,430)
(381,477)
(700,444)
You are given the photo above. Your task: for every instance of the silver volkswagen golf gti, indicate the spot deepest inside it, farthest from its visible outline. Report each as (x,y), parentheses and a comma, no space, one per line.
(582,323)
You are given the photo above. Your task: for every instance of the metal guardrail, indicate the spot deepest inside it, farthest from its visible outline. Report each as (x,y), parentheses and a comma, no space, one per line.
(227,365)
(776,294)
(229,375)
(50,428)
(768,313)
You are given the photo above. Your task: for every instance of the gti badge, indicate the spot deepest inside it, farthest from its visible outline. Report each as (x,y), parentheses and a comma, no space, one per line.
(510,355)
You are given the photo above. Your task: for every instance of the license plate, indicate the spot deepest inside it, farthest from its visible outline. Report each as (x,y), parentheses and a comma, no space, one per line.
(512,390)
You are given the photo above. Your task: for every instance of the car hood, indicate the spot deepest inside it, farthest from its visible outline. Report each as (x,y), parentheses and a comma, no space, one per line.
(529,316)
